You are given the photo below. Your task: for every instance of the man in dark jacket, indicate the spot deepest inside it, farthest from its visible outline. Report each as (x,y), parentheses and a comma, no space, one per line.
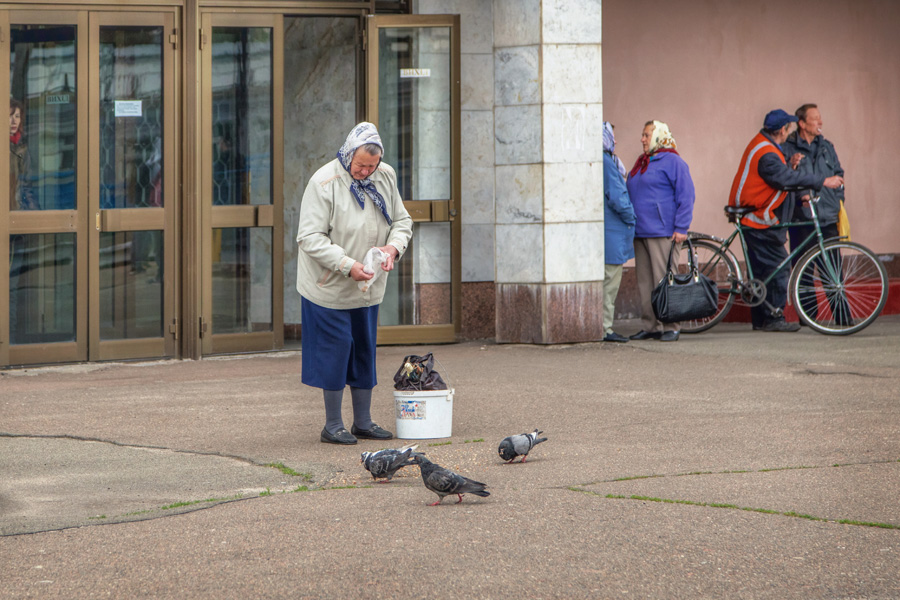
(809,152)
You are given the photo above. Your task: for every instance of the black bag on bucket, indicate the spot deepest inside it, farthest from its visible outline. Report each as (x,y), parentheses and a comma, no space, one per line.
(417,374)
(684,296)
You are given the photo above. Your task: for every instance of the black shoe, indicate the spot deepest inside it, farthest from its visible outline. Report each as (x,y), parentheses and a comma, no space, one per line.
(341,436)
(615,337)
(645,335)
(669,336)
(781,325)
(373,433)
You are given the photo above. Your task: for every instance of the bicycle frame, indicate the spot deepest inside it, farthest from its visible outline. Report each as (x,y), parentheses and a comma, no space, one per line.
(801,248)
(837,287)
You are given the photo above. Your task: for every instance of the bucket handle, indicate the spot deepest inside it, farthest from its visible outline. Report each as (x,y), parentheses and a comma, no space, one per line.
(445,371)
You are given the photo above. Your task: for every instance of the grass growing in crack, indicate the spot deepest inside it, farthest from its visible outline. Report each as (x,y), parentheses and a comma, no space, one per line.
(268,492)
(867,524)
(289,471)
(766,511)
(441,444)
(735,471)
(193,502)
(634,477)
(98,517)
(473,441)
(785,469)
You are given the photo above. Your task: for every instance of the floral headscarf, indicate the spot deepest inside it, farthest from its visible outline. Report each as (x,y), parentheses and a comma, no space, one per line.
(662,137)
(609,145)
(362,134)
(660,141)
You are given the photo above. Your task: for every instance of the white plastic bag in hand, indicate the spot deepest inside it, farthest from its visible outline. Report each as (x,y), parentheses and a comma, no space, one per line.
(372,264)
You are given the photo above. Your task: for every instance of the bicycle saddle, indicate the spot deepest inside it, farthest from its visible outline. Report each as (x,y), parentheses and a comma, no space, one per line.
(735,212)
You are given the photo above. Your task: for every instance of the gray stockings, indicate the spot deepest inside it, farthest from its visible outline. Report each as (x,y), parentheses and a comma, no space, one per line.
(362,403)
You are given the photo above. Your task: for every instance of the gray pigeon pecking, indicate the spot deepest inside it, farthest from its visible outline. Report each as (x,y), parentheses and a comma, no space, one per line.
(519,445)
(384,464)
(445,482)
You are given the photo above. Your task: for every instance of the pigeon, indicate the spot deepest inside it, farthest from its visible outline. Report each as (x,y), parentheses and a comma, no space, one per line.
(519,445)
(385,463)
(445,482)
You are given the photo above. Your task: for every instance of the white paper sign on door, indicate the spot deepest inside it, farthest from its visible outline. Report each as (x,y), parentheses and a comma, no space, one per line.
(128,108)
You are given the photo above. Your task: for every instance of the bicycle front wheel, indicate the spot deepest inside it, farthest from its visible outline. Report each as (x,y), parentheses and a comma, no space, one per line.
(841,290)
(720,266)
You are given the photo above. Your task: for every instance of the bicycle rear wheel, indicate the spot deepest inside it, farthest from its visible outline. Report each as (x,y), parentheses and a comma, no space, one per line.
(720,266)
(841,290)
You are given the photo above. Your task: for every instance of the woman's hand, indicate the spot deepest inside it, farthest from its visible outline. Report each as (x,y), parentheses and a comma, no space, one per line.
(391,253)
(357,273)
(679,237)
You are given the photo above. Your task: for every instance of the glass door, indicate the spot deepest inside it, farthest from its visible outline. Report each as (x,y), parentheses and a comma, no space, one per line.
(132,185)
(242,178)
(43,221)
(413,97)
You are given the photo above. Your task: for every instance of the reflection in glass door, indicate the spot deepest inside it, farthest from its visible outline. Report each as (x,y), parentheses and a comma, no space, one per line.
(242,183)
(42,322)
(132,148)
(414,100)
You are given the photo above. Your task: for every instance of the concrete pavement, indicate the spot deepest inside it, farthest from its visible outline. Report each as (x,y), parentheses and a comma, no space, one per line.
(731,464)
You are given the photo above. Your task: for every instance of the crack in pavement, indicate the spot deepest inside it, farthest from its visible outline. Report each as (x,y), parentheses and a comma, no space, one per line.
(61,481)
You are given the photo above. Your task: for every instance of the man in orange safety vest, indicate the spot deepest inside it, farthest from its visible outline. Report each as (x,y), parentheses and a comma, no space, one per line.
(761,182)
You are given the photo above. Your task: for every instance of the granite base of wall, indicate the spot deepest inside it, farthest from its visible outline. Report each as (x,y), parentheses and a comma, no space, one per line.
(433,303)
(478,310)
(549,313)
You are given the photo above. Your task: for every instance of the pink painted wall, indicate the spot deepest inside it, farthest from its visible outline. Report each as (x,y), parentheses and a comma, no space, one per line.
(712,69)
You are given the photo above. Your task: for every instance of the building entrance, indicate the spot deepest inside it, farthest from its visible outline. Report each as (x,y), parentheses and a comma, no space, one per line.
(156,171)
(90,216)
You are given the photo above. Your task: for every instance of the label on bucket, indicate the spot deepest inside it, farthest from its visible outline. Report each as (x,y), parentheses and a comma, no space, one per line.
(411,410)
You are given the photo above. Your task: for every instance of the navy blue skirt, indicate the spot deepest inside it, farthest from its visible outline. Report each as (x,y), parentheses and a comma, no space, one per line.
(338,346)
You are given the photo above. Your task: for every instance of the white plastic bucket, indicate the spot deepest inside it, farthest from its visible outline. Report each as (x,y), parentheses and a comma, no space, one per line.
(424,415)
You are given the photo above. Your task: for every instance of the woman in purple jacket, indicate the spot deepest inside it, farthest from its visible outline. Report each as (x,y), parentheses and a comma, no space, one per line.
(662,192)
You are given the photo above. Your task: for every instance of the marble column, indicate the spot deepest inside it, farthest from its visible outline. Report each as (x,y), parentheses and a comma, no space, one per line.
(548,176)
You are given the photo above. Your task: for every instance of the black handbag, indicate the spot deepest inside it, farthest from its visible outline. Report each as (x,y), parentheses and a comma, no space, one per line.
(684,296)
(417,374)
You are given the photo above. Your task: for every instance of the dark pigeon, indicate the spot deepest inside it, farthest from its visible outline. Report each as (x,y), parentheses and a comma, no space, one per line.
(384,464)
(445,482)
(519,445)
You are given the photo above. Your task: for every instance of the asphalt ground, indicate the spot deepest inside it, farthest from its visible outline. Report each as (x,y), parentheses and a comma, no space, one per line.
(731,464)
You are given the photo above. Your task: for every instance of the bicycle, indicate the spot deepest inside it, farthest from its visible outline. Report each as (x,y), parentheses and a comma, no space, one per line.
(838,287)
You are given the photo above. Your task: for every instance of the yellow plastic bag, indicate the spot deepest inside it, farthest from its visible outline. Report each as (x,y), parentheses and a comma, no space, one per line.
(843,223)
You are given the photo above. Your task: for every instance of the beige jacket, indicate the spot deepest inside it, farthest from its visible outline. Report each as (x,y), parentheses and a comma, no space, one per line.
(335,232)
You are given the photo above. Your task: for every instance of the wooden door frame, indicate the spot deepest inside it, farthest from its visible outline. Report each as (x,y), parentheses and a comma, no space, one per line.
(428,211)
(49,221)
(269,216)
(130,219)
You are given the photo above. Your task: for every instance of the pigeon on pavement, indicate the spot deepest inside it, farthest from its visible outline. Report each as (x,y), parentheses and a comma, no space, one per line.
(519,445)
(445,482)
(384,464)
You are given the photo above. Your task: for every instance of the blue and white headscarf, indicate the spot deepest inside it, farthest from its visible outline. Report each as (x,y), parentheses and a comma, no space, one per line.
(362,134)
(609,145)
